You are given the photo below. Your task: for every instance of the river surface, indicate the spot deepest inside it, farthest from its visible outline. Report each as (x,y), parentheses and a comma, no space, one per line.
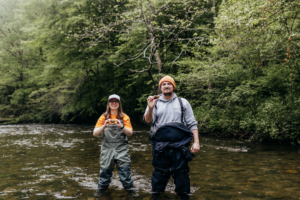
(62,162)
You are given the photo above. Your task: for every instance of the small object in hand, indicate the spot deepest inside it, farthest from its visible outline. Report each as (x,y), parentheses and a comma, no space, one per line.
(156,96)
(112,121)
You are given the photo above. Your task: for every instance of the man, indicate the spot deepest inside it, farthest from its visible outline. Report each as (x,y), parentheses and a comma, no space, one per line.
(173,125)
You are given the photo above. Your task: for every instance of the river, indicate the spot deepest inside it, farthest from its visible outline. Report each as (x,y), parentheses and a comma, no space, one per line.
(62,162)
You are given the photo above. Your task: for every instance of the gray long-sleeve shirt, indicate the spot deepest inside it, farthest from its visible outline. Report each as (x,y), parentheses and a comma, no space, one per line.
(167,111)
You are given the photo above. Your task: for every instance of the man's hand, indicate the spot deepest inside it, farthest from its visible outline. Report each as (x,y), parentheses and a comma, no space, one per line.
(195,147)
(151,102)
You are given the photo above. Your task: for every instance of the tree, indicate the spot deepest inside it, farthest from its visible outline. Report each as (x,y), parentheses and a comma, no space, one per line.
(159,31)
(253,72)
(18,62)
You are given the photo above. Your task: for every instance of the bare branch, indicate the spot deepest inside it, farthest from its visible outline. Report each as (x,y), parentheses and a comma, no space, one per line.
(144,52)
(198,29)
(183,39)
(180,53)
(162,8)
(294,20)
(10,52)
(151,8)
(198,44)
(3,32)
(144,70)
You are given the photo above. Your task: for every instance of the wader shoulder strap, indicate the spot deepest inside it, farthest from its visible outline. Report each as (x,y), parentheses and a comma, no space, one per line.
(182,109)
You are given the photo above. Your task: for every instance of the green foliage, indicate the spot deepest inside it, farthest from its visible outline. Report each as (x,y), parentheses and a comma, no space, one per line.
(249,85)
(237,62)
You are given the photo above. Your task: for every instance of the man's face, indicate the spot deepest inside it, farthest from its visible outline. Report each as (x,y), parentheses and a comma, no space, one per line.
(167,88)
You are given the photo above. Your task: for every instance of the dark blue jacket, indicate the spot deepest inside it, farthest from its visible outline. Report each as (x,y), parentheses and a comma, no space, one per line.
(172,135)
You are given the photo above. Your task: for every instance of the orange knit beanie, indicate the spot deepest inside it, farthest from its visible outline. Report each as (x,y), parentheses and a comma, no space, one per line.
(167,79)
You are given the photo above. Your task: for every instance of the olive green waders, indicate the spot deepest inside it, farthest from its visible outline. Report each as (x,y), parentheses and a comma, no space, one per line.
(114,150)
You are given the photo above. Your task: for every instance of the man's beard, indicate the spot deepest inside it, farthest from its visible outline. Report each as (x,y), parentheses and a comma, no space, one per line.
(167,94)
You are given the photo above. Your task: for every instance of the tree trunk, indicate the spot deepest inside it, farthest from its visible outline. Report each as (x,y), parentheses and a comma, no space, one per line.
(151,37)
(157,58)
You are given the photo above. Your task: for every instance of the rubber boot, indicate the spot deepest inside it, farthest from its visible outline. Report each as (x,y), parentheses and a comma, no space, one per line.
(132,192)
(155,196)
(184,197)
(100,192)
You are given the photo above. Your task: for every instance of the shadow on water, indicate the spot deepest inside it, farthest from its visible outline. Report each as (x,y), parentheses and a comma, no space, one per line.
(62,162)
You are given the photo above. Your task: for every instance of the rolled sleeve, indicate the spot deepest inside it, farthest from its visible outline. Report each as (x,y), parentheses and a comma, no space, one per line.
(153,116)
(127,123)
(100,121)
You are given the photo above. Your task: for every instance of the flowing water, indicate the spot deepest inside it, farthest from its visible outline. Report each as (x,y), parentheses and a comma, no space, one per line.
(62,162)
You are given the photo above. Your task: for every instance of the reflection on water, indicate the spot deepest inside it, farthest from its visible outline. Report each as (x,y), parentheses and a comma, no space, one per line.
(62,162)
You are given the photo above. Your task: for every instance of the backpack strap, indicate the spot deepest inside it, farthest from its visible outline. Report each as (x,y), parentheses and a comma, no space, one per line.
(182,109)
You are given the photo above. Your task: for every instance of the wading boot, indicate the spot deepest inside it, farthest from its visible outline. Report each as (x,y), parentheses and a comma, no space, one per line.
(184,197)
(132,191)
(100,192)
(155,196)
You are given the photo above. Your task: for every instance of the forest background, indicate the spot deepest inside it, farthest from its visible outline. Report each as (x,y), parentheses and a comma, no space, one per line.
(236,61)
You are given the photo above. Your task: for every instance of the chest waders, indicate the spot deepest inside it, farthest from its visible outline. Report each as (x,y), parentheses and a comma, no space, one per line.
(170,150)
(114,150)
